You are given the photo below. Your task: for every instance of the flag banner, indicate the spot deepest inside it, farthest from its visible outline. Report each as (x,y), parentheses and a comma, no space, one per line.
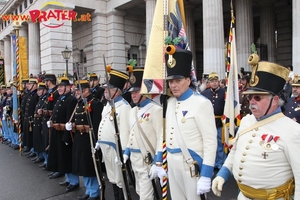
(23,59)
(15,115)
(2,72)
(177,29)
(231,117)
(155,72)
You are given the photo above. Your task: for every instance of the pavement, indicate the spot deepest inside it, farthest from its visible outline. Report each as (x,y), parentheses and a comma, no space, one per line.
(21,179)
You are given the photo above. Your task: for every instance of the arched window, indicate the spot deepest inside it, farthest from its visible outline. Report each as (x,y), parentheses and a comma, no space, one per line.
(25,4)
(20,8)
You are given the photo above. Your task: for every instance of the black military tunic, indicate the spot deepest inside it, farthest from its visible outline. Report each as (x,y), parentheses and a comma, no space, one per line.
(51,97)
(98,92)
(28,118)
(82,156)
(60,151)
(292,108)
(217,98)
(37,126)
(24,96)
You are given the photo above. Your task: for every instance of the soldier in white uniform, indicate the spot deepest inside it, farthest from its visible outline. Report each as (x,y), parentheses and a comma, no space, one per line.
(146,126)
(106,130)
(191,135)
(264,159)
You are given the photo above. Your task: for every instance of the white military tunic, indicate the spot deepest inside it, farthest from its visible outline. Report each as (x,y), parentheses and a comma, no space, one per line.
(106,137)
(194,115)
(149,117)
(265,157)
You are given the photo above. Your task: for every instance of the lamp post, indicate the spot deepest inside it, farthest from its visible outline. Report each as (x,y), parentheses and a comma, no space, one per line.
(66,55)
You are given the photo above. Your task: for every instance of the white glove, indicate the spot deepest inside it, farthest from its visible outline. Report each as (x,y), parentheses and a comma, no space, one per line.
(48,124)
(125,158)
(203,185)
(97,146)
(68,126)
(161,173)
(67,143)
(4,108)
(3,118)
(217,185)
(152,173)
(116,160)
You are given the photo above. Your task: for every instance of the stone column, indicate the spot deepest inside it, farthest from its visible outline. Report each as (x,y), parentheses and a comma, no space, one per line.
(99,33)
(7,58)
(34,53)
(244,32)
(296,36)
(213,38)
(115,36)
(53,41)
(190,32)
(267,28)
(150,7)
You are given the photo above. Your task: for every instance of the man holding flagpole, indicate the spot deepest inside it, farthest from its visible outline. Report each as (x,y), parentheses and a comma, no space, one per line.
(191,134)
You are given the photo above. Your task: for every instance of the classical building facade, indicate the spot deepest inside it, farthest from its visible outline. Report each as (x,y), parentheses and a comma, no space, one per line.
(119,30)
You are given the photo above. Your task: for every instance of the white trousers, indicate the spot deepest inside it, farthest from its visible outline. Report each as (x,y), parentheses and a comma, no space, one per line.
(143,184)
(113,170)
(182,185)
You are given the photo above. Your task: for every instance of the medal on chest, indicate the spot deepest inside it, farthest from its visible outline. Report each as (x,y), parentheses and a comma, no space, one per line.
(184,112)
(269,142)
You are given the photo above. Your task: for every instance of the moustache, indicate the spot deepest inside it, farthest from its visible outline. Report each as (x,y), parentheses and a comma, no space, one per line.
(253,107)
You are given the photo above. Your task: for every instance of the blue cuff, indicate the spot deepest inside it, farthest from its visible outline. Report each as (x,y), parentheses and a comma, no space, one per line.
(225,173)
(159,156)
(127,151)
(154,159)
(207,171)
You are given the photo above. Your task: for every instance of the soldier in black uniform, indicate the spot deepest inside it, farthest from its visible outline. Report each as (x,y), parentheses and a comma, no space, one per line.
(292,108)
(61,140)
(97,91)
(23,99)
(217,97)
(46,110)
(82,155)
(37,124)
(29,114)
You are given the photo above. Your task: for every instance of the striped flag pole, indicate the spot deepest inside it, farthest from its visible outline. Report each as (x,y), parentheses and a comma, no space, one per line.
(18,85)
(164,144)
(231,117)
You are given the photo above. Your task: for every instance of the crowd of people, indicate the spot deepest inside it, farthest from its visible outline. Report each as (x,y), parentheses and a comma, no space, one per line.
(87,129)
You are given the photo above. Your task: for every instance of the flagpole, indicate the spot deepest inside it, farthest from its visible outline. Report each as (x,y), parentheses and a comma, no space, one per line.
(17,26)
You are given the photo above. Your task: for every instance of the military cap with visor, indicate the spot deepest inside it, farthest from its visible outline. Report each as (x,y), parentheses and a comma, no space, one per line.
(266,77)
(116,78)
(41,86)
(64,81)
(135,78)
(49,77)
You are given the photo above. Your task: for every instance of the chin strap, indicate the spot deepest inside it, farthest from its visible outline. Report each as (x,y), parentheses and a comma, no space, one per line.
(113,96)
(139,101)
(269,106)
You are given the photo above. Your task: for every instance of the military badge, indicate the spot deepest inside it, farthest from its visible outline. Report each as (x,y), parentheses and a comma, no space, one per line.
(132,79)
(269,142)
